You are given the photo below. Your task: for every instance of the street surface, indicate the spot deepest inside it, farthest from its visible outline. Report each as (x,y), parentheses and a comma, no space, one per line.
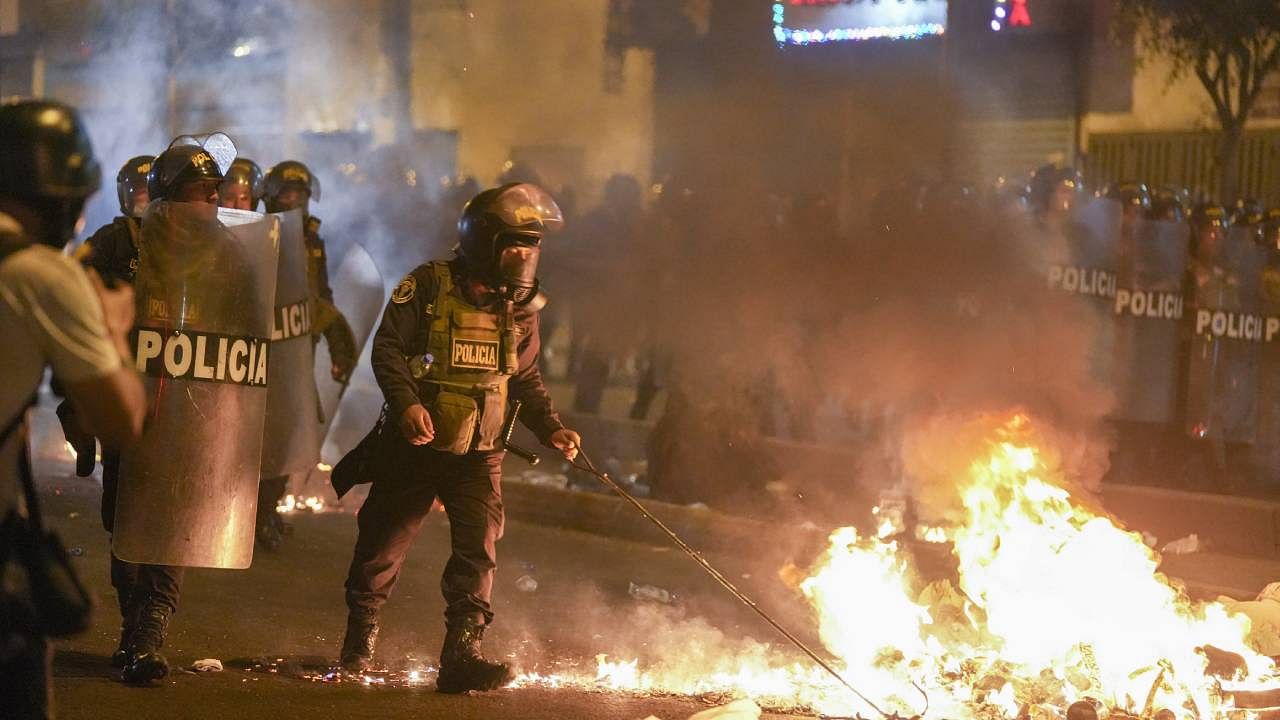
(287,613)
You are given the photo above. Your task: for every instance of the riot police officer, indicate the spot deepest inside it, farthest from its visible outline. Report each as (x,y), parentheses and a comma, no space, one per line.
(290,185)
(476,316)
(1168,203)
(148,594)
(1052,193)
(242,187)
(113,249)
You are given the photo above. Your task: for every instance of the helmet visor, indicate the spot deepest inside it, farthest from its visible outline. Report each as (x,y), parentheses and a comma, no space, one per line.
(529,207)
(132,190)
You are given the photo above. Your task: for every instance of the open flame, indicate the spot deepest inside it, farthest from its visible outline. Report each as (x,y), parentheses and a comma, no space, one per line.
(1052,603)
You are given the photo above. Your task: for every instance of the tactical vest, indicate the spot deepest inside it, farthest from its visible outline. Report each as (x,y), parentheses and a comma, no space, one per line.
(474,358)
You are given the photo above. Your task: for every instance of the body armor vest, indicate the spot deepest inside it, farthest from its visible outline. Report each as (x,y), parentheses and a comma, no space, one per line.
(469,375)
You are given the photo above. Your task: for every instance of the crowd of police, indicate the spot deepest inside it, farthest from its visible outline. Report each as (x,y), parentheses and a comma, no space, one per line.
(1188,306)
(214,310)
(1184,296)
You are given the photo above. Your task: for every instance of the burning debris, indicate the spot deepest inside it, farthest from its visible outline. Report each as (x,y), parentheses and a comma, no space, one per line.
(1054,612)
(297,503)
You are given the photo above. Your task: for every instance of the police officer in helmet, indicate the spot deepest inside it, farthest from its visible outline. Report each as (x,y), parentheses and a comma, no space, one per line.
(477,317)
(113,249)
(1052,194)
(287,186)
(290,185)
(148,594)
(242,187)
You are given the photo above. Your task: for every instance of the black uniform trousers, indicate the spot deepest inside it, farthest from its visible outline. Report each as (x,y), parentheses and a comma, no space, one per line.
(26,656)
(135,583)
(469,487)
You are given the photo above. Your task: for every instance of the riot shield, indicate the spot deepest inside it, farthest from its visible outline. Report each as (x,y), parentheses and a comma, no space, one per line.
(359,292)
(1228,331)
(1148,311)
(291,440)
(205,290)
(1083,264)
(1267,447)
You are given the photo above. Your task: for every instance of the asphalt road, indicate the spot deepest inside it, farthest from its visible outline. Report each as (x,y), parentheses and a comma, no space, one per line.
(277,626)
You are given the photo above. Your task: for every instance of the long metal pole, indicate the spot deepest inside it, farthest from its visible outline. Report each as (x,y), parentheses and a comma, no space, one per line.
(719,577)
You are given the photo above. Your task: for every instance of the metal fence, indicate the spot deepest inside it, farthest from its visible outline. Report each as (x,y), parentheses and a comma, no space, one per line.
(1185,159)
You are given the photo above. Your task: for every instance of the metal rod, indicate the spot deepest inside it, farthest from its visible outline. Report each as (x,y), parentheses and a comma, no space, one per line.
(719,577)
(526,455)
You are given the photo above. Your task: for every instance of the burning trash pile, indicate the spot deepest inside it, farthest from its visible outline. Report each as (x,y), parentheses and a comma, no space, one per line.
(1052,606)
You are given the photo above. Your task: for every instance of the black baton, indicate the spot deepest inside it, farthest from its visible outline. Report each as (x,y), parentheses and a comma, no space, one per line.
(529,457)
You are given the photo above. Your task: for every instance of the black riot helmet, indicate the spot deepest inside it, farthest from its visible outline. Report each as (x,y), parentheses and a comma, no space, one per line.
(47,163)
(1168,203)
(189,158)
(289,174)
(1209,215)
(1054,188)
(1248,212)
(1130,194)
(131,185)
(244,175)
(500,234)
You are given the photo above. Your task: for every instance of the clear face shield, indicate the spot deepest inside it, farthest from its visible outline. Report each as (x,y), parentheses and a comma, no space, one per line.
(133,195)
(532,213)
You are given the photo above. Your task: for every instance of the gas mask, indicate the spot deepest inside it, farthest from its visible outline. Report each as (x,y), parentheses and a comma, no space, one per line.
(516,267)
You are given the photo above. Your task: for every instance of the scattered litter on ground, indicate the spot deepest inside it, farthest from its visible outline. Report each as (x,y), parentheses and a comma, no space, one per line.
(1264,618)
(1184,546)
(526,583)
(207,665)
(651,593)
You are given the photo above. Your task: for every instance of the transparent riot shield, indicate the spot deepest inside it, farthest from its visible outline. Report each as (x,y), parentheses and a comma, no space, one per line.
(291,440)
(1227,334)
(1267,448)
(1148,310)
(1084,265)
(351,408)
(205,291)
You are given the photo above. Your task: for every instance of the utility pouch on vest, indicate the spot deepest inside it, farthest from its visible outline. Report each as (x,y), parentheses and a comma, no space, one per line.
(493,418)
(454,416)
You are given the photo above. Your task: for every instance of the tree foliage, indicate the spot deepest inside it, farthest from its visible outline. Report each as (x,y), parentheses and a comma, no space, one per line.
(1230,46)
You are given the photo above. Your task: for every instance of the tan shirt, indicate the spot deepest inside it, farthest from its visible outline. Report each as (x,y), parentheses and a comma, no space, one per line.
(49,316)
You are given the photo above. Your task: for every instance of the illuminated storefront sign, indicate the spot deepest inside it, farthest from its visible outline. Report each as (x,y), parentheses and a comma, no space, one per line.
(805,22)
(1010,13)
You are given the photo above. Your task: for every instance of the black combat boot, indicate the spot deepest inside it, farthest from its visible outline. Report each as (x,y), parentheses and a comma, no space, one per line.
(357,646)
(268,535)
(462,667)
(144,663)
(128,623)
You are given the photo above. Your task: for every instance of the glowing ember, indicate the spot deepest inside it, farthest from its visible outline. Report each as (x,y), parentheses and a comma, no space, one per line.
(1052,604)
(297,503)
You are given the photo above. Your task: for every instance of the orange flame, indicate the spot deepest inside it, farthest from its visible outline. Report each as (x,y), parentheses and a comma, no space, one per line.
(1053,603)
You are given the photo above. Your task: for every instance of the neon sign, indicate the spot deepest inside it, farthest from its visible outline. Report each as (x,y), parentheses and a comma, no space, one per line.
(1010,13)
(806,22)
